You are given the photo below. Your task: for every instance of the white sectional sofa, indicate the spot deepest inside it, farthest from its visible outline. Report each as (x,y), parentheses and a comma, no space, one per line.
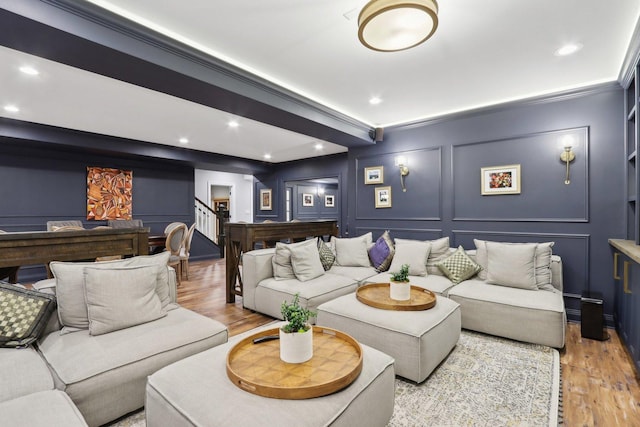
(523,310)
(91,367)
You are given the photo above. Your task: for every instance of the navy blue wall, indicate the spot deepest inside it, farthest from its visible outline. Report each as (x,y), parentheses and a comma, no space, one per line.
(443,195)
(38,184)
(333,166)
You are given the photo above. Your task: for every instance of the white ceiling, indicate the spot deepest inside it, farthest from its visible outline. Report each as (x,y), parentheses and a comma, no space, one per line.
(483,53)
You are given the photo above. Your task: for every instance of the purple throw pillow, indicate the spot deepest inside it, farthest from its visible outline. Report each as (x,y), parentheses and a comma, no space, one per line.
(381,253)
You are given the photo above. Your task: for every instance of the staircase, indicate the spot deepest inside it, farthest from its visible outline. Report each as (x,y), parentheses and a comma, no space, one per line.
(211,223)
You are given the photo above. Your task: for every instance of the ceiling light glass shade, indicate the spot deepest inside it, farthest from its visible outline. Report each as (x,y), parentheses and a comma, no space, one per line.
(393,25)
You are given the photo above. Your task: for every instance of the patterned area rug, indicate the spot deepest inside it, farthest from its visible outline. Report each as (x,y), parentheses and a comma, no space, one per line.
(485,381)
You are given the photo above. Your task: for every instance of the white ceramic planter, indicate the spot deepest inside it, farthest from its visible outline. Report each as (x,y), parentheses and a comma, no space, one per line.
(296,347)
(400,291)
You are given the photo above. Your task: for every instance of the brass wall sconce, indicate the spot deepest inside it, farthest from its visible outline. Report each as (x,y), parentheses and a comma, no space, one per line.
(403,164)
(567,156)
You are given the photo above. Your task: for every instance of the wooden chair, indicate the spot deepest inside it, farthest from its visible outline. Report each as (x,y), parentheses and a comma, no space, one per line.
(173,244)
(184,252)
(173,225)
(125,223)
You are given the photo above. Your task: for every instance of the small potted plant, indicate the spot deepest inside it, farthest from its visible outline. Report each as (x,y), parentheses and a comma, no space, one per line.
(399,287)
(296,337)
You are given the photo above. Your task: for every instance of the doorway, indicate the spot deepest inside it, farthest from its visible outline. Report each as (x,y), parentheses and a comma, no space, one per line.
(220,199)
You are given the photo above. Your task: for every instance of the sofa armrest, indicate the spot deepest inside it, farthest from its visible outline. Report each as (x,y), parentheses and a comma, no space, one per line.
(173,285)
(556,272)
(256,266)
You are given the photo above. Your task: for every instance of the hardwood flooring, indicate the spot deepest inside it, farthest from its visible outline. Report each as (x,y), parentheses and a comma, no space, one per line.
(598,379)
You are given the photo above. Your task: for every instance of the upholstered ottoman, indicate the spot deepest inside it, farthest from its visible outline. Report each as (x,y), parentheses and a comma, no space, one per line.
(197,392)
(418,340)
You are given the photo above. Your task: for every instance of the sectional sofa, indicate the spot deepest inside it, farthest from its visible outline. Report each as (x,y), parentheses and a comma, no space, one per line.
(90,366)
(514,290)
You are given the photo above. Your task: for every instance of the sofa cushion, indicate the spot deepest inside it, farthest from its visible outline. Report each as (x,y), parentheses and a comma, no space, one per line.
(433,282)
(72,308)
(439,251)
(327,257)
(413,253)
(382,252)
(22,372)
(43,409)
(305,260)
(24,314)
(512,265)
(353,252)
(458,266)
(119,298)
(357,274)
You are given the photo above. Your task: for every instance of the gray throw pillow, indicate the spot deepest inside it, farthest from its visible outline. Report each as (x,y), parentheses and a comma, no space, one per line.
(439,251)
(353,252)
(281,261)
(306,262)
(512,265)
(458,266)
(412,252)
(119,298)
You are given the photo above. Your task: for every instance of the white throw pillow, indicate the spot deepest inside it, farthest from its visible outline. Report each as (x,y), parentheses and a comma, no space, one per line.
(411,252)
(512,265)
(119,298)
(281,261)
(353,252)
(439,251)
(306,262)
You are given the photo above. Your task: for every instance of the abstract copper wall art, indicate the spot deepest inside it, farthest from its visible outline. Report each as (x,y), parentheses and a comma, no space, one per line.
(108,193)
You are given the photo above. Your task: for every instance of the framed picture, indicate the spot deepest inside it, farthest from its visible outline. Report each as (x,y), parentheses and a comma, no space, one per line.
(500,180)
(329,201)
(374,175)
(383,197)
(265,199)
(307,199)
(109,193)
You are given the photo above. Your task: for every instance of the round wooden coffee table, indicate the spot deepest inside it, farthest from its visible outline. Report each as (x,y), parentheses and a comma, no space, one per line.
(257,368)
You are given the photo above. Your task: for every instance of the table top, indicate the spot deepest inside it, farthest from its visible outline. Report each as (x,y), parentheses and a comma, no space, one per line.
(377,295)
(257,368)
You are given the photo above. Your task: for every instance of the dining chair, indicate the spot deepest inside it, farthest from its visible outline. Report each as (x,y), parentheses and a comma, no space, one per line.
(125,223)
(173,225)
(173,244)
(55,225)
(186,248)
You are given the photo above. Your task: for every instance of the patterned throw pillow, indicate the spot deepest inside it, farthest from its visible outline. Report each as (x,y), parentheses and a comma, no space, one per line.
(23,315)
(327,258)
(458,266)
(382,251)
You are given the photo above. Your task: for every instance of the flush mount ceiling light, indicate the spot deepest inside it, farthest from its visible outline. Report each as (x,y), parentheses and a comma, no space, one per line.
(393,25)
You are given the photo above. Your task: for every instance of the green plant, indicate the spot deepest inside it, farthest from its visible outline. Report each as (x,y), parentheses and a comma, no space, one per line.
(402,275)
(296,315)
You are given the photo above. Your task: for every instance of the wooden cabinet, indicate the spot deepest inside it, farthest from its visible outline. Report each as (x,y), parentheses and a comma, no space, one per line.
(626,276)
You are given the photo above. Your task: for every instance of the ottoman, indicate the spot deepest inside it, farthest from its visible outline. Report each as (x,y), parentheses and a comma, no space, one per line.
(418,340)
(197,392)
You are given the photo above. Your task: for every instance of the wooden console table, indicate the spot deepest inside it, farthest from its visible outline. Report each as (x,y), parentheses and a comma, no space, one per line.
(241,237)
(42,247)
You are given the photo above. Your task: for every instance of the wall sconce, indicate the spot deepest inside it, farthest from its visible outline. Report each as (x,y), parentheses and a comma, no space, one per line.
(567,156)
(403,164)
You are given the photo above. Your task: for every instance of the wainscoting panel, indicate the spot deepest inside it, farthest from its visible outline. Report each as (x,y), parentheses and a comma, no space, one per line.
(401,232)
(542,178)
(421,201)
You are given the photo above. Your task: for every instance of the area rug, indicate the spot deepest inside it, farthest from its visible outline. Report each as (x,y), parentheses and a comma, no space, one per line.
(485,381)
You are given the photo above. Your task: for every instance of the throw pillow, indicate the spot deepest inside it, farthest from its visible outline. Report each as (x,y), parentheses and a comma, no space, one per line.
(119,298)
(327,257)
(162,278)
(306,262)
(411,252)
(382,251)
(439,251)
(481,257)
(23,315)
(353,252)
(281,261)
(512,265)
(458,266)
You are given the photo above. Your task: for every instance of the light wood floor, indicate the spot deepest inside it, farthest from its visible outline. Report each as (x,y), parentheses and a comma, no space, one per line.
(599,383)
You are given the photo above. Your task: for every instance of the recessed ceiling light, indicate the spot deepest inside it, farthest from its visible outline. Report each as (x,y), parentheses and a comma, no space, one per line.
(183,140)
(568,49)
(267,156)
(318,146)
(11,108)
(233,124)
(375,100)
(29,70)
